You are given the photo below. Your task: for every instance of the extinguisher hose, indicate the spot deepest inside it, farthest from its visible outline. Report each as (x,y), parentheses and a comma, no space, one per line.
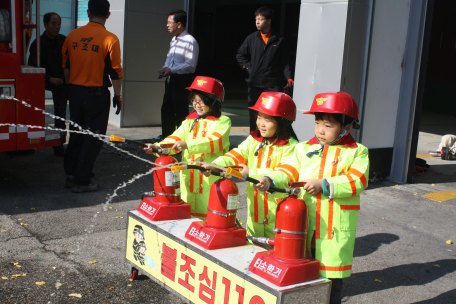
(249,179)
(196,167)
(271,188)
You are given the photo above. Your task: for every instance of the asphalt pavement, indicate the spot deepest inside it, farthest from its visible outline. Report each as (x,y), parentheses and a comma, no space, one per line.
(77,248)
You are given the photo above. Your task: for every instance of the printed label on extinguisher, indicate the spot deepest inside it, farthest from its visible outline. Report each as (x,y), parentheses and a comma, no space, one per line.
(171,179)
(232,202)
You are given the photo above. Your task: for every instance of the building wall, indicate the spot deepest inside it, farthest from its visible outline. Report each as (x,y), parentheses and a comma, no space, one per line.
(319,59)
(145,48)
(116,24)
(327,61)
(389,34)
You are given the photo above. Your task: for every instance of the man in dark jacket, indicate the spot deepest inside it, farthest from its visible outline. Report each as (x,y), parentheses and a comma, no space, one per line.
(264,55)
(51,43)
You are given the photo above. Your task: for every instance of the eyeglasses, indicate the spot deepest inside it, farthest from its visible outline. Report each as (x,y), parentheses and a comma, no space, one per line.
(197,102)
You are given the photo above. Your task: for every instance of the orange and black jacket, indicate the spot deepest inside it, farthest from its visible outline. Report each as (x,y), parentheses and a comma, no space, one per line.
(92,53)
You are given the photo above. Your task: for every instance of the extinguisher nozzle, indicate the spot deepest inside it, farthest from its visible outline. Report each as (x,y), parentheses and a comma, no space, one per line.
(116,138)
(177,168)
(261,240)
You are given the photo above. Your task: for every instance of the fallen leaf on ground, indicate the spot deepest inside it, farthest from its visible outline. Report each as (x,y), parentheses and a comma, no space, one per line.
(22,224)
(17,265)
(396,185)
(58,284)
(18,275)
(131,280)
(93,262)
(18,219)
(4,278)
(436,265)
(433,185)
(54,267)
(40,283)
(414,226)
(129,285)
(377,280)
(110,207)
(3,230)
(415,193)
(383,218)
(450,250)
(119,216)
(449,242)
(111,288)
(32,208)
(76,295)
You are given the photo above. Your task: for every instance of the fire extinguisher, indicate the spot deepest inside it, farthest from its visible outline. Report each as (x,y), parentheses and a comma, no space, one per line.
(290,244)
(219,230)
(164,203)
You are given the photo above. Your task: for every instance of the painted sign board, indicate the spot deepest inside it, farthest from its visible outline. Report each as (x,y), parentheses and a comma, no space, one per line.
(161,251)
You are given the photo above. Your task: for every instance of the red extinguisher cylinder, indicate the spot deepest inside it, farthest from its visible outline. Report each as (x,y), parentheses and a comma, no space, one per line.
(222,207)
(166,182)
(291,229)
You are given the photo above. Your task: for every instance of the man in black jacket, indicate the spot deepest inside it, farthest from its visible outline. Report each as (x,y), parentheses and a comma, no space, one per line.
(264,55)
(51,43)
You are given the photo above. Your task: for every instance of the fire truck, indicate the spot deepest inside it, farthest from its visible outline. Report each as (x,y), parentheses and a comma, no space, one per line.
(19,26)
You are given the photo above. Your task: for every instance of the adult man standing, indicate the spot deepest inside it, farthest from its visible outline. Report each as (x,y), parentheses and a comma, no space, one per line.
(264,55)
(51,43)
(90,53)
(179,67)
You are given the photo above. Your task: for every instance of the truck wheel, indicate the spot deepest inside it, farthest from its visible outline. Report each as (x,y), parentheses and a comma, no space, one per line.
(134,273)
(445,154)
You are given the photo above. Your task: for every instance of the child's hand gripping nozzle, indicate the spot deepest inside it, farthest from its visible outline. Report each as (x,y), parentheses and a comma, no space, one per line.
(219,230)
(291,264)
(164,203)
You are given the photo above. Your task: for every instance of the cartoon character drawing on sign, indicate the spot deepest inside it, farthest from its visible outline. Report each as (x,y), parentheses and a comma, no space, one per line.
(138,233)
(141,253)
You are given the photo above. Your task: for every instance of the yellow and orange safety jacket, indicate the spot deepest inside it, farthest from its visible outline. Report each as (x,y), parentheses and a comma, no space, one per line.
(209,139)
(261,205)
(344,169)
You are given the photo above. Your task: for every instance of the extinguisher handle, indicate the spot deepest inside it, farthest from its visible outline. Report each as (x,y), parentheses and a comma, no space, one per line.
(296,184)
(163,146)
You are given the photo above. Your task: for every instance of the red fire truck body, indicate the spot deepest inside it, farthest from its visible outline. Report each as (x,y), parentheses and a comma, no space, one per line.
(25,83)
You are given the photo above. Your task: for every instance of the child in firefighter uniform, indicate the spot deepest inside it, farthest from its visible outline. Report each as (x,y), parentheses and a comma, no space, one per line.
(336,170)
(261,153)
(202,136)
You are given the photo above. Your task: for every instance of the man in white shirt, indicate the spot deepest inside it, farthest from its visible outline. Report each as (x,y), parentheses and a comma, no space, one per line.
(179,69)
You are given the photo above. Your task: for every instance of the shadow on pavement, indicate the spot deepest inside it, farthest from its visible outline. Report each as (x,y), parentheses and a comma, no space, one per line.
(414,274)
(368,244)
(448,175)
(447,297)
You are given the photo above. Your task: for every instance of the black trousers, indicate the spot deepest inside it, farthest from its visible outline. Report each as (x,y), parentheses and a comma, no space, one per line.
(253,95)
(336,287)
(175,102)
(92,113)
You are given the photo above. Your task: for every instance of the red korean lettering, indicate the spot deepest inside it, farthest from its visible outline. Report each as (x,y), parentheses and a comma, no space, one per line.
(211,292)
(227,290)
(168,265)
(240,290)
(256,300)
(183,268)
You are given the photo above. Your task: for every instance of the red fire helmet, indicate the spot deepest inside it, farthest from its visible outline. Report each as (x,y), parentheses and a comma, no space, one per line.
(335,102)
(276,104)
(209,85)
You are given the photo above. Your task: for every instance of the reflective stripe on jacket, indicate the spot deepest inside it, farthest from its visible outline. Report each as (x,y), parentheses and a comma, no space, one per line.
(208,140)
(332,218)
(261,205)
